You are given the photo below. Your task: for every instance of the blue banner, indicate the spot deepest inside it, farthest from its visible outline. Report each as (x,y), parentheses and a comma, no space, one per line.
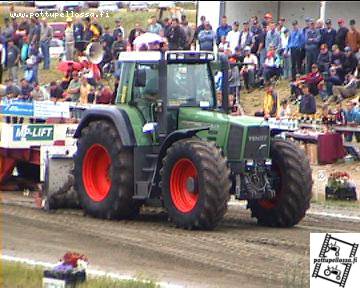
(17,108)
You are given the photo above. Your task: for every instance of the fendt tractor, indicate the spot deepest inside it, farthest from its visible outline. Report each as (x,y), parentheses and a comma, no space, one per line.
(167,143)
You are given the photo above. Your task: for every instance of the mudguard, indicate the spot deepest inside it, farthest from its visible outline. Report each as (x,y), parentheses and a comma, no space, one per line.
(113,114)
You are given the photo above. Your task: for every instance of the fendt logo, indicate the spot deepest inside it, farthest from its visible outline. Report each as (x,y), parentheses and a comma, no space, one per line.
(33,132)
(258,138)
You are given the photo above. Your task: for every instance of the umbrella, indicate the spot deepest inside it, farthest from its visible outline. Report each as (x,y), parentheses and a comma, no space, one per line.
(65,66)
(147,38)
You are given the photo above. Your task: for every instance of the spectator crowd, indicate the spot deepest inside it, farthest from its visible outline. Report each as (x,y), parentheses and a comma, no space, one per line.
(319,59)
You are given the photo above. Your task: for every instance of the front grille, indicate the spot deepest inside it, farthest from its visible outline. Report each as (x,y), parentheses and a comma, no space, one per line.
(235,141)
(257,143)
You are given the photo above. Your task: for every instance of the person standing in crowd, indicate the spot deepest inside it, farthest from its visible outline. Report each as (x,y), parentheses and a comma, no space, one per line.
(329,34)
(8,29)
(78,28)
(340,38)
(200,27)
(35,32)
(88,33)
(134,33)
(118,29)
(255,25)
(118,46)
(154,26)
(189,34)
(272,38)
(2,60)
(246,37)
(286,60)
(307,102)
(281,26)
(69,40)
(261,50)
(312,42)
(353,37)
(222,30)
(268,18)
(107,37)
(96,28)
(250,64)
(207,38)
(233,36)
(13,59)
(324,59)
(45,38)
(176,36)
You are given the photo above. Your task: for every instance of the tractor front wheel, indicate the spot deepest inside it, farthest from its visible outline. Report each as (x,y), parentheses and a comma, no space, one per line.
(195,184)
(104,173)
(292,181)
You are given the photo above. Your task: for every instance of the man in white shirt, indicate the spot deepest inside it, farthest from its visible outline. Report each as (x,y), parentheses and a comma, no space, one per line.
(249,68)
(233,37)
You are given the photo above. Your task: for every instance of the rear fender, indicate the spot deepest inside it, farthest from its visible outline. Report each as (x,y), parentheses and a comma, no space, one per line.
(117,116)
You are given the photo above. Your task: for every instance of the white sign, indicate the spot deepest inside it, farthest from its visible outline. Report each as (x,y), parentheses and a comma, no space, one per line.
(53,283)
(48,109)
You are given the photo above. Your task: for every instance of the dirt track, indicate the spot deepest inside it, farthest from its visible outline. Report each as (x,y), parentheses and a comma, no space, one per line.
(237,254)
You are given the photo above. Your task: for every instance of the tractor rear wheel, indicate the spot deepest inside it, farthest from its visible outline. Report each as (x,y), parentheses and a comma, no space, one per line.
(292,181)
(195,184)
(104,173)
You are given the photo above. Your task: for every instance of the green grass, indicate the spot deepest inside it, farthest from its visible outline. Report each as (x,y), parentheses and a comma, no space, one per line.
(16,275)
(128,18)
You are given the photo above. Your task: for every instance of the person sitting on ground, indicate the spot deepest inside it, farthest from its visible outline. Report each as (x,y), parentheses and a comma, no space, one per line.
(285,110)
(350,61)
(29,73)
(314,80)
(37,94)
(324,59)
(331,81)
(56,92)
(307,102)
(346,91)
(85,89)
(26,89)
(12,91)
(271,106)
(337,61)
(105,96)
(249,68)
(271,65)
(73,90)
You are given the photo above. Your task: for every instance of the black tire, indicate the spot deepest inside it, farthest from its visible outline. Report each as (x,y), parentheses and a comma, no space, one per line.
(28,171)
(213,184)
(118,203)
(294,189)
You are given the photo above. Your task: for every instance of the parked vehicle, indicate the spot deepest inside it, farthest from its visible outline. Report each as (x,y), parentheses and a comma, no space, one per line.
(138,6)
(46,5)
(70,6)
(92,4)
(110,6)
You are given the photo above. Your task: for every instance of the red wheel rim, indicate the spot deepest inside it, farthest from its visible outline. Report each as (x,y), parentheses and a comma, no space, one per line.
(95,168)
(183,199)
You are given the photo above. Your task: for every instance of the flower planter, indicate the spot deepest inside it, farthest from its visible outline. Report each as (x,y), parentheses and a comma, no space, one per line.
(341,193)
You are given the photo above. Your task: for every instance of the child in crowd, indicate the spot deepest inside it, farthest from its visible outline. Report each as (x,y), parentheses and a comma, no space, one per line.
(352,118)
(307,102)
(285,110)
(271,106)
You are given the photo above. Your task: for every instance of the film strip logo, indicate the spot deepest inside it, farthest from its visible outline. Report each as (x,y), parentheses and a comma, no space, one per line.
(335,260)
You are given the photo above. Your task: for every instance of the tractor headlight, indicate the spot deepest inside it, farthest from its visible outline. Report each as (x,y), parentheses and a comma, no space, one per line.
(210,56)
(268,162)
(249,163)
(172,56)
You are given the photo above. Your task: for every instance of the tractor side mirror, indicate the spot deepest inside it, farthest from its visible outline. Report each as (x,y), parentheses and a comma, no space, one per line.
(140,78)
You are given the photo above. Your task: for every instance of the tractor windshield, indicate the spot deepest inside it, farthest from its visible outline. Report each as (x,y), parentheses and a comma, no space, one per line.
(190,85)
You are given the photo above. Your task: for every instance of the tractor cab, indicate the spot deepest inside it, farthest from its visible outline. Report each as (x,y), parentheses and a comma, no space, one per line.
(159,84)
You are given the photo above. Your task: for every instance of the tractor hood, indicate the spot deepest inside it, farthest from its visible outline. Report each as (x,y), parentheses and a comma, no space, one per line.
(238,136)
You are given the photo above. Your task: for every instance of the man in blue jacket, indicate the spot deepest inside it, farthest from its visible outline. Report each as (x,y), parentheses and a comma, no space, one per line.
(312,43)
(222,30)
(206,38)
(295,44)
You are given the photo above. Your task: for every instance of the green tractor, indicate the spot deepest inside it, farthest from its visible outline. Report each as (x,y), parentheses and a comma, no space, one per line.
(167,143)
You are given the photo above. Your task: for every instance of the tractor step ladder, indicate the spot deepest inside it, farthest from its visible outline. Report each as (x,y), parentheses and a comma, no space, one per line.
(316,270)
(353,250)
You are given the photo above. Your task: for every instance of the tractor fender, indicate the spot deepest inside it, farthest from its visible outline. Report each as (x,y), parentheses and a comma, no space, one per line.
(169,140)
(117,116)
